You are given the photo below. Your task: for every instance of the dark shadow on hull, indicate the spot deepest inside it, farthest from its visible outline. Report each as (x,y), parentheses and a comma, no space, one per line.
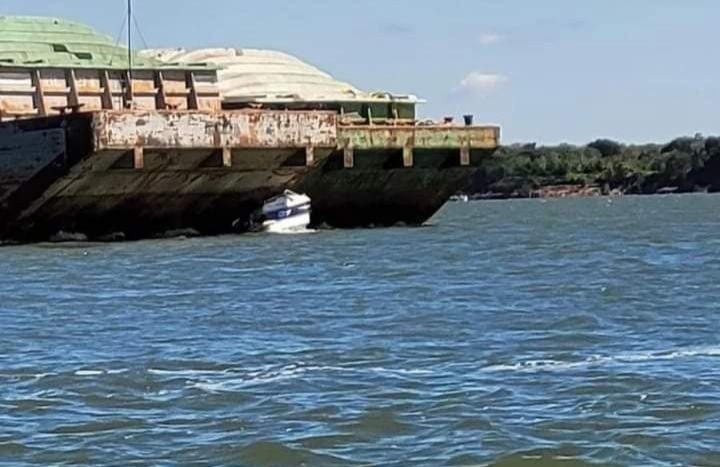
(379,196)
(100,195)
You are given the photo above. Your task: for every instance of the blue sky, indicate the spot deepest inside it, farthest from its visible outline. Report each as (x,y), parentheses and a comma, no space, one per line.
(547,71)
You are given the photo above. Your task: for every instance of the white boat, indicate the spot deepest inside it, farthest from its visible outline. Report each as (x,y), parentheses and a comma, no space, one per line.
(286,213)
(461,198)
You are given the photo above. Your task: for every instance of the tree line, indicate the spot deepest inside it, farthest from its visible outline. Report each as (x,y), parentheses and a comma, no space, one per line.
(684,165)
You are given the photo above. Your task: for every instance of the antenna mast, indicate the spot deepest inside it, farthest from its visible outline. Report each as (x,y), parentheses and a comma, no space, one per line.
(130,55)
(129,32)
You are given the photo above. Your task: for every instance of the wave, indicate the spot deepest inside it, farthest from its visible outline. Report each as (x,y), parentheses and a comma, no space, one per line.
(231,381)
(190,372)
(296,232)
(89,372)
(600,360)
(97,372)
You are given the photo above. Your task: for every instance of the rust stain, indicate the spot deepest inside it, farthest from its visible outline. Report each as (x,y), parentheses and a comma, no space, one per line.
(212,130)
(8,106)
(143,86)
(89,89)
(430,137)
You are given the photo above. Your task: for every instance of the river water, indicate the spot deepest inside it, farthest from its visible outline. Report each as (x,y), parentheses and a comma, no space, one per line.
(509,333)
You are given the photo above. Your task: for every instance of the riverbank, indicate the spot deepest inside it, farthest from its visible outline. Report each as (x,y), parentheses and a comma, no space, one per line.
(603,167)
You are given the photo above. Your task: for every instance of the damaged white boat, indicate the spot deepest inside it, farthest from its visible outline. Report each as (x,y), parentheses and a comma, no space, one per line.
(286,213)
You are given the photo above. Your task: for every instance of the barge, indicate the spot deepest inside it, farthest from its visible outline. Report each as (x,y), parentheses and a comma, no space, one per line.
(199,139)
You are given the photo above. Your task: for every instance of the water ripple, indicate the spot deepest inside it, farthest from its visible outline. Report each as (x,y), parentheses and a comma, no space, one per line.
(511,333)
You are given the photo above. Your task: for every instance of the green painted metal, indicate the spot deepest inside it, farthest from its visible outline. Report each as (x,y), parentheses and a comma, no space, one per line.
(429,137)
(38,42)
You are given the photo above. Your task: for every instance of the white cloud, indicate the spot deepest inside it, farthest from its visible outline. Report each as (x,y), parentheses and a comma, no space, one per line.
(477,82)
(490,38)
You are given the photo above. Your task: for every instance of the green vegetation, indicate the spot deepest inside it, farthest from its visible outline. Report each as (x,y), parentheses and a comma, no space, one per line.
(684,165)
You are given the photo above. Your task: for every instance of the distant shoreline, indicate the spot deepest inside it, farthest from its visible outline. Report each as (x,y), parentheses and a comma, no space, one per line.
(574,191)
(601,168)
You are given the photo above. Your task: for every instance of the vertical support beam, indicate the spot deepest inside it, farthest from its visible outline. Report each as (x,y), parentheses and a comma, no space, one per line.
(74,97)
(129,91)
(107,97)
(193,97)
(227,157)
(408,156)
(465,155)
(138,157)
(309,156)
(39,93)
(161,97)
(348,157)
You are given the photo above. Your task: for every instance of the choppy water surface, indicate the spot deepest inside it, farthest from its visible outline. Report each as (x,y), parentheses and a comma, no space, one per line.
(528,333)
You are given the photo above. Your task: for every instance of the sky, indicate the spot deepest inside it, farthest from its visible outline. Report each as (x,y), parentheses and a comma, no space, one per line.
(547,71)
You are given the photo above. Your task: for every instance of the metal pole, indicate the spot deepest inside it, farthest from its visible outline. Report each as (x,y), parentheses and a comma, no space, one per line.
(129,32)
(129,94)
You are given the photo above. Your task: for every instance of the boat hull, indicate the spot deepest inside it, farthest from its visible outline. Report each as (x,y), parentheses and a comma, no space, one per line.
(294,223)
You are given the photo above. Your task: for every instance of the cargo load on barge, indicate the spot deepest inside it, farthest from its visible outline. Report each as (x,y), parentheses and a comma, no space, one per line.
(199,139)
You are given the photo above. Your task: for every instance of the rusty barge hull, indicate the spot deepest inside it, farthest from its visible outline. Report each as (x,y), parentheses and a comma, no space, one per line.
(199,139)
(142,173)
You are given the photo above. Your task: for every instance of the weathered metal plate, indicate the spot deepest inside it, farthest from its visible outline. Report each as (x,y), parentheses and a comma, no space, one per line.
(23,154)
(243,129)
(430,137)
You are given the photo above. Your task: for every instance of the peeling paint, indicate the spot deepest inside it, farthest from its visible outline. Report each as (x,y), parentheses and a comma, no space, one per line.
(187,130)
(421,137)
(275,129)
